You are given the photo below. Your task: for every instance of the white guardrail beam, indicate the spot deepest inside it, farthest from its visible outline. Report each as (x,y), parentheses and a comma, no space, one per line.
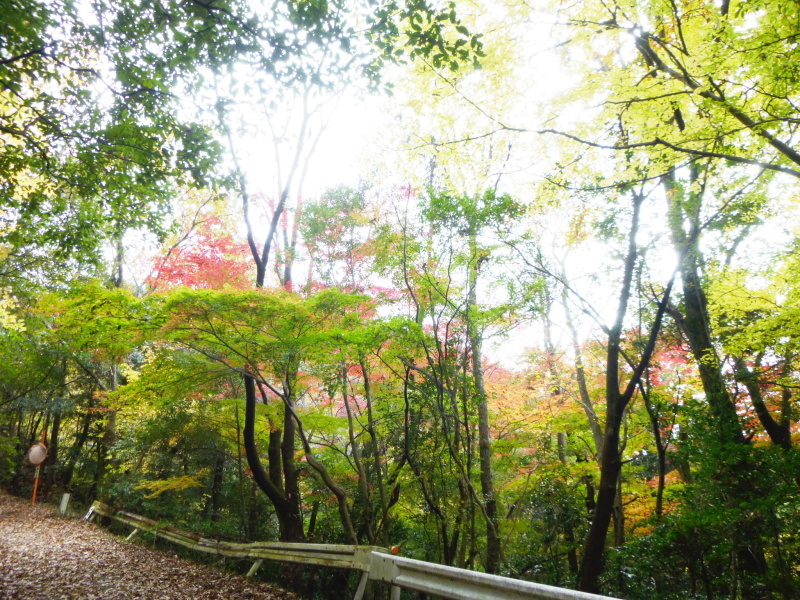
(461,584)
(341,556)
(374,563)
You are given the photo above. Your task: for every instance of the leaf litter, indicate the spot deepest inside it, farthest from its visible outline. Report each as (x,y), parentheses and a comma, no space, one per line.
(46,556)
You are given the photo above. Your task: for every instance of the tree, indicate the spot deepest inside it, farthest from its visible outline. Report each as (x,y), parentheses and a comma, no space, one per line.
(336,231)
(298,55)
(267,336)
(207,257)
(72,162)
(762,362)
(693,80)
(470,218)
(689,98)
(625,364)
(441,279)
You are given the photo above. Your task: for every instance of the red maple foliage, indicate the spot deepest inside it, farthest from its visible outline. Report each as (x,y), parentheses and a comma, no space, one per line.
(208,258)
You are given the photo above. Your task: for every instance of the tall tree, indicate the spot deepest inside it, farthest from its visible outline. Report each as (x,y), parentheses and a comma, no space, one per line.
(472,218)
(619,394)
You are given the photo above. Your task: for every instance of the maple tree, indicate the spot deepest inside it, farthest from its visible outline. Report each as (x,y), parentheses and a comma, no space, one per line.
(208,257)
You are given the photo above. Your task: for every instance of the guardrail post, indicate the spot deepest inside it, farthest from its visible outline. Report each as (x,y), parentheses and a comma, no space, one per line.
(255,567)
(362,585)
(362,557)
(382,568)
(133,534)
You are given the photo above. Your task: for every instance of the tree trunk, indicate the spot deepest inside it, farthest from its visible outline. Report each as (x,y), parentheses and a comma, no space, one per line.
(51,479)
(694,321)
(616,403)
(377,467)
(287,509)
(569,532)
(655,426)
(75,450)
(493,542)
(243,522)
(109,439)
(779,433)
(594,550)
(580,377)
(291,479)
(611,462)
(363,484)
(213,505)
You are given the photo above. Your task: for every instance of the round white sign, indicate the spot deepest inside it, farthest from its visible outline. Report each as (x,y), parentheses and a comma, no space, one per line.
(37,453)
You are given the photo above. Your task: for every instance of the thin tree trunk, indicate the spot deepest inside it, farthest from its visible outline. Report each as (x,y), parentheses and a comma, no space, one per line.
(661,450)
(493,542)
(366,508)
(616,403)
(569,532)
(580,377)
(75,450)
(240,470)
(53,468)
(216,486)
(377,467)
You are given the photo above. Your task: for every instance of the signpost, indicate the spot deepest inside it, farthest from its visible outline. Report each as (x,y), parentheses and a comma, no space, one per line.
(36,456)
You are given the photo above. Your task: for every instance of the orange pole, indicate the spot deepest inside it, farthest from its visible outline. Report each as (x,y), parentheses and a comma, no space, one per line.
(35,485)
(36,480)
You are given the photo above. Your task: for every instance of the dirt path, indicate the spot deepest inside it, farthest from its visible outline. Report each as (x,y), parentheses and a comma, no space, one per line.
(44,556)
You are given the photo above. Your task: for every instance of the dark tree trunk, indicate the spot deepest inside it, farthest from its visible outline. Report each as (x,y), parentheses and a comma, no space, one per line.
(694,321)
(779,433)
(594,551)
(661,450)
(569,532)
(216,487)
(52,478)
(611,464)
(287,508)
(291,480)
(493,542)
(616,403)
(75,450)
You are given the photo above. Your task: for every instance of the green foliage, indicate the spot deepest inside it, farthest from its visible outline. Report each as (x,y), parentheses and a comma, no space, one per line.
(470,216)
(77,169)
(723,535)
(156,487)
(8,459)
(419,30)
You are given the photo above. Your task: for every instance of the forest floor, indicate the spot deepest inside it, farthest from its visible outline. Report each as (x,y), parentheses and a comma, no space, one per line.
(46,556)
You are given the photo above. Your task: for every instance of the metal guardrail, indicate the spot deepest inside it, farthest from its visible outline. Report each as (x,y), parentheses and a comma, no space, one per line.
(461,584)
(341,556)
(374,563)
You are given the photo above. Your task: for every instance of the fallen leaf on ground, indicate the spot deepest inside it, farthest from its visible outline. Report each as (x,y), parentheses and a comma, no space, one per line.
(45,556)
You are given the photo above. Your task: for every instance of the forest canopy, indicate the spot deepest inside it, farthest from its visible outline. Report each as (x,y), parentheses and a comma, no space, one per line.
(541,325)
